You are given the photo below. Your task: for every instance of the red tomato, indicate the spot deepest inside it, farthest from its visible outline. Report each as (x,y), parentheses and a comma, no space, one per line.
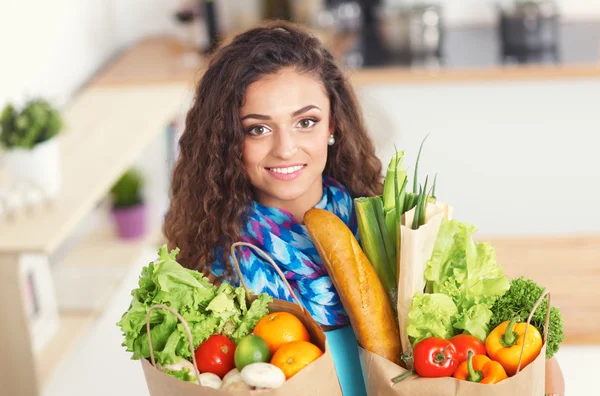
(216,355)
(465,343)
(435,357)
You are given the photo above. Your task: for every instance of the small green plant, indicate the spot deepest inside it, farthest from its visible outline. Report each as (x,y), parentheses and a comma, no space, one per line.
(37,122)
(127,191)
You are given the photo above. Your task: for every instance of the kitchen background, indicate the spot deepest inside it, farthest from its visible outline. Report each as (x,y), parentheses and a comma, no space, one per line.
(513,136)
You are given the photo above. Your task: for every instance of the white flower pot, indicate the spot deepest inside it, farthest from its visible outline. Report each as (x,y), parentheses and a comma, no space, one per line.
(39,166)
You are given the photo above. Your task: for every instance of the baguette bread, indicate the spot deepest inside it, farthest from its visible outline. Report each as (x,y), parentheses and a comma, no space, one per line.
(357,284)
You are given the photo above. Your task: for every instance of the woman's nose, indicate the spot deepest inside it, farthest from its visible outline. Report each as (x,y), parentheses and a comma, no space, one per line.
(285,144)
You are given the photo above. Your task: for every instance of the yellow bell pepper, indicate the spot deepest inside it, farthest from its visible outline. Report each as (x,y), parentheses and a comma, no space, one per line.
(504,344)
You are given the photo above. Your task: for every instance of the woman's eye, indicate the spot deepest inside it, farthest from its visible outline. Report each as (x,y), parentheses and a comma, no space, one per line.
(258,130)
(307,123)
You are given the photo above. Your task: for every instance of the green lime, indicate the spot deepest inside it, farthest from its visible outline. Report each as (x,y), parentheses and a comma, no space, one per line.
(251,349)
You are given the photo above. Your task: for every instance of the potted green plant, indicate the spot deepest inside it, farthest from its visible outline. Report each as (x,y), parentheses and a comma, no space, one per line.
(128,207)
(29,137)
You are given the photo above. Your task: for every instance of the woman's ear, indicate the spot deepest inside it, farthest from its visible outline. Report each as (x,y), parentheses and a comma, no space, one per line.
(331,126)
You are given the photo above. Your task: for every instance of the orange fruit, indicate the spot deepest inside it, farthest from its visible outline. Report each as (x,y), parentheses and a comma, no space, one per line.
(294,356)
(279,328)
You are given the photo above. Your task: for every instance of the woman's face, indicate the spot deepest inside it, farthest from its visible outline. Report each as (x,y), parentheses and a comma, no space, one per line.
(286,119)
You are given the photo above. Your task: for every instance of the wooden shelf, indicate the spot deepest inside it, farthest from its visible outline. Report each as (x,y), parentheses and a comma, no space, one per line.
(107,129)
(394,75)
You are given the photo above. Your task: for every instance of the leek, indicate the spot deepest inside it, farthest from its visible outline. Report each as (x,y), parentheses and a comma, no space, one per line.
(415,181)
(394,176)
(421,207)
(375,240)
(380,219)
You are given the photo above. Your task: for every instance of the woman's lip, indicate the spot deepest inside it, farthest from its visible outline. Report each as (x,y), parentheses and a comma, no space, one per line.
(287,176)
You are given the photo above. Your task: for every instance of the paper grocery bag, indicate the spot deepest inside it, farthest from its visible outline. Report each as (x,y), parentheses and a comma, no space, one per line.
(378,374)
(415,250)
(318,378)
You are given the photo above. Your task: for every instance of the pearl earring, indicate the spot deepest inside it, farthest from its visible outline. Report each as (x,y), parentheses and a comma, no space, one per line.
(331,140)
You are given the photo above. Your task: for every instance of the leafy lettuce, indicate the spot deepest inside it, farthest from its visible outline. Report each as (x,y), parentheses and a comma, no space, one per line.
(431,316)
(206,309)
(467,272)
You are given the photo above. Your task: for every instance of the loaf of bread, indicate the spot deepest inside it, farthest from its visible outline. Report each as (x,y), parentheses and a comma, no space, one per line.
(357,284)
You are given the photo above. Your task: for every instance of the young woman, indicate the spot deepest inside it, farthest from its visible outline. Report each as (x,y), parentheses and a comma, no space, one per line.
(274,131)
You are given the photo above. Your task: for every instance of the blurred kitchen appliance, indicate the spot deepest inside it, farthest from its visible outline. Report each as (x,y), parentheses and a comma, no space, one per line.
(412,31)
(277,9)
(529,31)
(349,16)
(202,10)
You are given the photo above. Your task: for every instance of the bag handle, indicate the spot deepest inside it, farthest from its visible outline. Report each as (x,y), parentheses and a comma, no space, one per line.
(545,293)
(187,332)
(264,255)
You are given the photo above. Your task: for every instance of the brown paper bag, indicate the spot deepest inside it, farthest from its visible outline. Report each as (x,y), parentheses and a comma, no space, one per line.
(415,250)
(379,373)
(318,378)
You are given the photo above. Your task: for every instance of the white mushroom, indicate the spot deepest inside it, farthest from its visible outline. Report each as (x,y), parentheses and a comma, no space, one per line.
(233,381)
(237,386)
(210,380)
(232,376)
(263,375)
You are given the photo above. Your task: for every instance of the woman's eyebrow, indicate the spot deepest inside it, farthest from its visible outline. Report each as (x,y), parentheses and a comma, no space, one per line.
(294,114)
(257,116)
(304,110)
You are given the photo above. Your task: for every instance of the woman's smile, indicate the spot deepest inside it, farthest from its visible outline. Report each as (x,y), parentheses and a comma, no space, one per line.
(286,172)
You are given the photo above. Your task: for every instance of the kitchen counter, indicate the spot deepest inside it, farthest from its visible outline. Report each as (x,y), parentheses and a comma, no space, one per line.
(470,55)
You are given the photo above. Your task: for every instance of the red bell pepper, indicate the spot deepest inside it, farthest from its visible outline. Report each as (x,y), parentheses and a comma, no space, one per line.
(465,343)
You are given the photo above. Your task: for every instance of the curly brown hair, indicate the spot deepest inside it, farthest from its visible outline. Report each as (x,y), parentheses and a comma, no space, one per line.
(210,191)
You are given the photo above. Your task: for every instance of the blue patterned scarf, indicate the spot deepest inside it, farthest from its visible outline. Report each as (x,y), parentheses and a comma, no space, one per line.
(290,246)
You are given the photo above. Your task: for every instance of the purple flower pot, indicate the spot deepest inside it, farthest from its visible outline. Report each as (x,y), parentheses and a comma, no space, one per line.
(131,221)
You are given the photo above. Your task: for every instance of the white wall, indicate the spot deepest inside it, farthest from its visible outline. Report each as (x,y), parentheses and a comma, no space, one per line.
(50,48)
(513,158)
(138,18)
